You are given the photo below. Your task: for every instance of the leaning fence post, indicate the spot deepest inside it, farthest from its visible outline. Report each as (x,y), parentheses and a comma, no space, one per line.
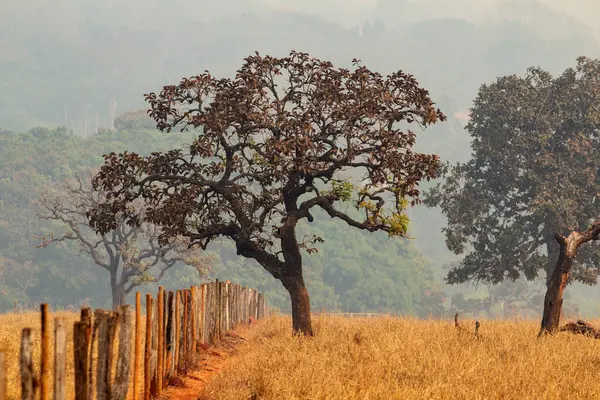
(45,355)
(3,378)
(27,386)
(60,359)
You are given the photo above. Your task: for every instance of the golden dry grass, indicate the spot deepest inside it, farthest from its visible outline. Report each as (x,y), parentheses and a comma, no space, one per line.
(11,326)
(402,358)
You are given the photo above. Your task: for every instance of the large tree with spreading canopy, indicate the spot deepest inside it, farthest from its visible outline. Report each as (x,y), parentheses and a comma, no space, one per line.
(273,144)
(515,208)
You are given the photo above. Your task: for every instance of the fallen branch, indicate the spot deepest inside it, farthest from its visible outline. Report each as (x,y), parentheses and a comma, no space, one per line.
(581,328)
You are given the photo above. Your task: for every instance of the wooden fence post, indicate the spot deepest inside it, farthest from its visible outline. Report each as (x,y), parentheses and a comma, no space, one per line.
(81,344)
(226,322)
(261,302)
(27,379)
(154,353)
(45,355)
(193,319)
(137,350)
(164,341)
(91,332)
(60,359)
(3,378)
(169,341)
(243,307)
(218,304)
(208,306)
(101,321)
(147,347)
(161,338)
(121,384)
(189,329)
(202,313)
(177,333)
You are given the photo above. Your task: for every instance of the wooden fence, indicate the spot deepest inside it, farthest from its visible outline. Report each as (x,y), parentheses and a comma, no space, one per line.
(178,326)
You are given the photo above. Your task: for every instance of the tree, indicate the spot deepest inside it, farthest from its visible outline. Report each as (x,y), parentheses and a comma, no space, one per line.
(533,180)
(533,174)
(271,144)
(130,254)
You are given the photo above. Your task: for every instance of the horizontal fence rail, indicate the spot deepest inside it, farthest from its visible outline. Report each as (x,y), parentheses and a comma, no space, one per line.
(350,315)
(179,325)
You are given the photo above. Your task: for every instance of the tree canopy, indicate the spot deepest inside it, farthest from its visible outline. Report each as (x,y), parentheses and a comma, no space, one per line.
(533,173)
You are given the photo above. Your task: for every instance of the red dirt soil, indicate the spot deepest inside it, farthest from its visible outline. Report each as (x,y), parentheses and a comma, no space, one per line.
(212,360)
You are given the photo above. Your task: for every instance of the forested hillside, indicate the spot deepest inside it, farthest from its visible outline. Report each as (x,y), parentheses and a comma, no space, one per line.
(352,271)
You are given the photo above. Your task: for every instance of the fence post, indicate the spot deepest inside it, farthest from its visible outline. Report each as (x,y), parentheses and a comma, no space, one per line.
(81,346)
(101,321)
(121,384)
(177,333)
(189,330)
(161,338)
(193,319)
(45,355)
(91,332)
(202,313)
(169,341)
(27,387)
(244,304)
(3,378)
(184,325)
(227,322)
(154,354)
(60,359)
(210,289)
(137,350)
(148,346)
(164,341)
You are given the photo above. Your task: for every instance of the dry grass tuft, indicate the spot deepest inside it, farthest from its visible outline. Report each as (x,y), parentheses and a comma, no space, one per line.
(403,358)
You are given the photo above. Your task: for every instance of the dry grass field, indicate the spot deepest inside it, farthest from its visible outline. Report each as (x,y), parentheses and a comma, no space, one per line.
(389,358)
(380,358)
(11,326)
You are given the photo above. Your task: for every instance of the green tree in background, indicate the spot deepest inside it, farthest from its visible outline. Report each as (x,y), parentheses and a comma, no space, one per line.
(532,180)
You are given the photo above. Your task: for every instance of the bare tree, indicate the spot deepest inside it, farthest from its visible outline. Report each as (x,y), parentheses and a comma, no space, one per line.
(131,255)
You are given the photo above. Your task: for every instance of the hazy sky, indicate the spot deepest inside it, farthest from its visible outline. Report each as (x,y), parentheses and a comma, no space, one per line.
(352,12)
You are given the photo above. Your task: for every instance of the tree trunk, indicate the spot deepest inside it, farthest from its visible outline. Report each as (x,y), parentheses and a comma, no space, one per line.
(560,275)
(301,320)
(117,290)
(553,254)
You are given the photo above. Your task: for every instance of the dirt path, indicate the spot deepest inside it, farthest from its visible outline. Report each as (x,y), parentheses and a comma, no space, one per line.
(211,361)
